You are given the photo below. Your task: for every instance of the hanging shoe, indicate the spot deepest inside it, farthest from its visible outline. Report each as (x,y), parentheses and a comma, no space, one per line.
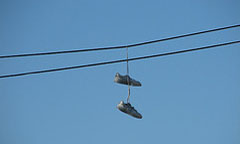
(123,79)
(128,109)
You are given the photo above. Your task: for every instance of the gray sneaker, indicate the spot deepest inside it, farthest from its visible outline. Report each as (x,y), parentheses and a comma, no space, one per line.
(128,109)
(123,79)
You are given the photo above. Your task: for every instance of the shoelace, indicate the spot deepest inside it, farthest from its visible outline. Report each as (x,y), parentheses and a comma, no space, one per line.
(128,78)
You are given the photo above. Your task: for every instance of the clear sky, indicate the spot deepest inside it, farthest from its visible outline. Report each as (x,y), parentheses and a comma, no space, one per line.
(191,98)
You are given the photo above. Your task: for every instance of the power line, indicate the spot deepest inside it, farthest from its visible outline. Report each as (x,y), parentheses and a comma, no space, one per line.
(118,61)
(118,47)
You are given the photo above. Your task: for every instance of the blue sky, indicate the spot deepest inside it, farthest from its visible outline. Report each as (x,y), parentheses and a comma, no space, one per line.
(185,99)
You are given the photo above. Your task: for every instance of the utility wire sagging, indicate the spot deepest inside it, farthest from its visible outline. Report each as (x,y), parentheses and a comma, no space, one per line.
(119,47)
(119,61)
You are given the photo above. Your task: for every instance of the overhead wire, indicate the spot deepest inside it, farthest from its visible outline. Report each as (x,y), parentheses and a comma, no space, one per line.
(117,47)
(118,61)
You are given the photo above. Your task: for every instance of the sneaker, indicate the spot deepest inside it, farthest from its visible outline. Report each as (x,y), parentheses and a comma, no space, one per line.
(128,109)
(123,79)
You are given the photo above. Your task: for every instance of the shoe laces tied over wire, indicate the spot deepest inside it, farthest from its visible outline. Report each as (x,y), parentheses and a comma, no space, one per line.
(128,78)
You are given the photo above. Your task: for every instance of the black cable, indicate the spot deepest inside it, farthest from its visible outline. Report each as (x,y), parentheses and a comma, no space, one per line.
(118,61)
(118,47)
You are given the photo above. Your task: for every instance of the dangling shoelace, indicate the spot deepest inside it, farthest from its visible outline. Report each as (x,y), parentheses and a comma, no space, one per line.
(128,78)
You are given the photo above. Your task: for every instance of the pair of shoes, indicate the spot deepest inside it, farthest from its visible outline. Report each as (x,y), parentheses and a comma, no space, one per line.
(123,79)
(128,109)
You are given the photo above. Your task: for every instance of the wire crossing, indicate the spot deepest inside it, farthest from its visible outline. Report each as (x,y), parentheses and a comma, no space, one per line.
(119,61)
(118,47)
